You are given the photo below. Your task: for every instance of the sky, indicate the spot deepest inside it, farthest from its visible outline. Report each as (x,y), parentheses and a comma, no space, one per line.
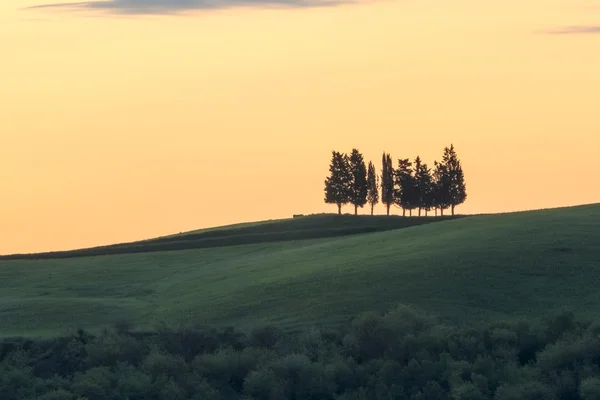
(132,119)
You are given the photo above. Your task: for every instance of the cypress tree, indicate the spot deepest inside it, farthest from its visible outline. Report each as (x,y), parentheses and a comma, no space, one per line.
(424,186)
(418,200)
(372,186)
(337,184)
(387,182)
(405,186)
(441,187)
(358,186)
(429,196)
(457,189)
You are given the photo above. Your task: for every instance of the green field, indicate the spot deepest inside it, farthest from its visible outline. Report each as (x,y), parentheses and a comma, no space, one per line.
(316,270)
(309,227)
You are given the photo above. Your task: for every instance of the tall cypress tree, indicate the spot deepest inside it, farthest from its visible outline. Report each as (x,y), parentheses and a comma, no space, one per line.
(372,186)
(358,186)
(387,182)
(424,183)
(457,189)
(405,193)
(418,203)
(429,197)
(337,184)
(441,187)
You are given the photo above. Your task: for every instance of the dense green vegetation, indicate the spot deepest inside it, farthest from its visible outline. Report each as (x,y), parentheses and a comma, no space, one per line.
(399,355)
(468,269)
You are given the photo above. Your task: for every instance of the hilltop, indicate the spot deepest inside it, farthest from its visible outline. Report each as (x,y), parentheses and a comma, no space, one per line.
(465,269)
(305,227)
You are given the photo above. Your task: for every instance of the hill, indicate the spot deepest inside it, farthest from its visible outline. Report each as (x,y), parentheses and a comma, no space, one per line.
(467,269)
(308,227)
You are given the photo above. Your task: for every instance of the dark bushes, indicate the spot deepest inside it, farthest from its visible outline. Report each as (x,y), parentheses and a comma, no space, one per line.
(400,355)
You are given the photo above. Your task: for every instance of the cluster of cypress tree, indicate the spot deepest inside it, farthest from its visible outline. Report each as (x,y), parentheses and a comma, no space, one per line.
(410,186)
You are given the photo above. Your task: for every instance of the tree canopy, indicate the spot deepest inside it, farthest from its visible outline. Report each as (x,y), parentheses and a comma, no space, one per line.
(337,184)
(358,185)
(372,186)
(387,181)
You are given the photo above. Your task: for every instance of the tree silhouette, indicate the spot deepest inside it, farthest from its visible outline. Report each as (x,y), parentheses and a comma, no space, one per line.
(405,188)
(387,182)
(441,187)
(372,186)
(358,186)
(417,188)
(424,181)
(337,184)
(457,190)
(409,186)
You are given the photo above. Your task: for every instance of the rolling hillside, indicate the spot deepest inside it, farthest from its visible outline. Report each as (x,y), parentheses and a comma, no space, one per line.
(308,227)
(467,269)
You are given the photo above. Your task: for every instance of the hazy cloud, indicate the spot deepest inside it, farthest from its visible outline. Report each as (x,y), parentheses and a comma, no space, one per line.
(174,6)
(574,30)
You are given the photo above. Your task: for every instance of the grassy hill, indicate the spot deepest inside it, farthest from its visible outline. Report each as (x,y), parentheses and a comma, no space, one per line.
(308,227)
(467,269)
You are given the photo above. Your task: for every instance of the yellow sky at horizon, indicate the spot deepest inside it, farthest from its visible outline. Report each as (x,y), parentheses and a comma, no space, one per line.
(122,128)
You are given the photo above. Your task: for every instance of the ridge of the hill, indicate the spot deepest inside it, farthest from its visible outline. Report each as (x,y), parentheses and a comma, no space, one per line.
(306,227)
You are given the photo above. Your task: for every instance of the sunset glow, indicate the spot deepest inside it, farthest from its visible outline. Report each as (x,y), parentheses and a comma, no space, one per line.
(122,126)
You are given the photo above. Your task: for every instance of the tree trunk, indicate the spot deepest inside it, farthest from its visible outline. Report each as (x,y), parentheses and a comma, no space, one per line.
(355,209)
(452,209)
(404,212)
(442,211)
(388,209)
(410,212)
(426,212)
(339,209)
(419,211)
(372,209)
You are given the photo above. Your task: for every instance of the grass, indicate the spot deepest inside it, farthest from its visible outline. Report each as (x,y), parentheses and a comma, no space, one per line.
(467,269)
(309,227)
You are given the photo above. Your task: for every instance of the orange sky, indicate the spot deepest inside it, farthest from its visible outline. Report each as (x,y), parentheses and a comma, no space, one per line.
(116,128)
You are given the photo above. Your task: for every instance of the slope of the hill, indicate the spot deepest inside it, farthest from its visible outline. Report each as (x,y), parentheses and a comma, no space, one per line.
(308,227)
(484,267)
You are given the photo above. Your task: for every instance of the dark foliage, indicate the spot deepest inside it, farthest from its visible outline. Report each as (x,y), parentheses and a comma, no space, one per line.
(405,195)
(358,185)
(425,189)
(406,186)
(387,182)
(457,189)
(372,187)
(442,183)
(338,185)
(401,355)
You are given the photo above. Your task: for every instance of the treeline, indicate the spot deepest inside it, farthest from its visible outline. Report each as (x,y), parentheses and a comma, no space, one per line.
(410,186)
(400,355)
